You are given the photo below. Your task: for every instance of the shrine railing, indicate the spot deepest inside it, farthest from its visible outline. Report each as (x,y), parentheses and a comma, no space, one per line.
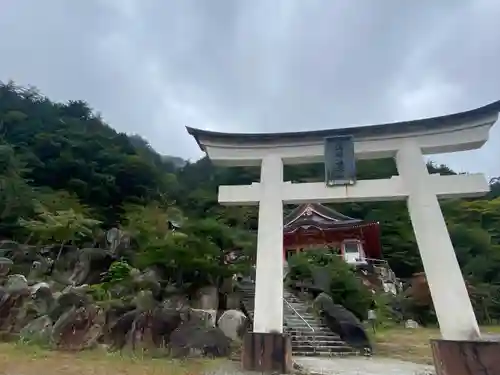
(297,313)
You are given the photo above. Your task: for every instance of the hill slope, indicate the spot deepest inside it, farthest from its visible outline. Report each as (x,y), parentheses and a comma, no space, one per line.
(48,147)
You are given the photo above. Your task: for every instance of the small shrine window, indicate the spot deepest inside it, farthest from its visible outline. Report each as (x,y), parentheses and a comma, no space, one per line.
(353,252)
(351,248)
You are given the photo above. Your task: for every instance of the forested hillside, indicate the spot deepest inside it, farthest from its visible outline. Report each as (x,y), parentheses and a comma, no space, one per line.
(62,155)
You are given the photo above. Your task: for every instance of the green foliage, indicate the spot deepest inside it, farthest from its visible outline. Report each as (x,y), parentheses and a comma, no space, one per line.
(68,147)
(119,271)
(119,274)
(100,292)
(345,288)
(63,157)
(149,222)
(61,227)
(196,252)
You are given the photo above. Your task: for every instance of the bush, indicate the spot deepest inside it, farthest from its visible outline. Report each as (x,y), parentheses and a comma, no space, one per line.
(344,287)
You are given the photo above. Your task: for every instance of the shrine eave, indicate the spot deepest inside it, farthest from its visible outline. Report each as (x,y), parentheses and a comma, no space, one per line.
(330,227)
(326,212)
(450,121)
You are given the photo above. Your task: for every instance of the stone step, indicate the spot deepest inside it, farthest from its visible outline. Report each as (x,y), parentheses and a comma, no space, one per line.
(297,319)
(300,316)
(304,330)
(301,307)
(312,326)
(311,338)
(323,354)
(319,348)
(323,342)
(294,301)
(301,311)
(307,323)
(304,312)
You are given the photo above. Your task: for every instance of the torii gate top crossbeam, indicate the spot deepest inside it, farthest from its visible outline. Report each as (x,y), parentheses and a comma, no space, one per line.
(455,132)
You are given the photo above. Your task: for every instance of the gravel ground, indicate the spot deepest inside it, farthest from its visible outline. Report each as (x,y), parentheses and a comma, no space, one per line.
(340,366)
(362,366)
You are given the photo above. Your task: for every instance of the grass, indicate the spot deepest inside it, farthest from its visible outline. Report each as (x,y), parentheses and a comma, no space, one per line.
(405,344)
(411,344)
(31,360)
(15,359)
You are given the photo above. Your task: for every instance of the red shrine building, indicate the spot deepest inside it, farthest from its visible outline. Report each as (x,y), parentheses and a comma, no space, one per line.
(312,226)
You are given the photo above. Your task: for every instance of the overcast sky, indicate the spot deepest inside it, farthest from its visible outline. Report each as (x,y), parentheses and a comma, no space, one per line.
(153,66)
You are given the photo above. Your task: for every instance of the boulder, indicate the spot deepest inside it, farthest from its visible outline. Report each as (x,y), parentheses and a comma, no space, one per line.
(410,323)
(194,339)
(70,297)
(207,298)
(116,334)
(16,284)
(37,331)
(8,248)
(207,317)
(233,324)
(233,300)
(5,266)
(143,330)
(343,322)
(43,300)
(78,328)
(13,315)
(90,266)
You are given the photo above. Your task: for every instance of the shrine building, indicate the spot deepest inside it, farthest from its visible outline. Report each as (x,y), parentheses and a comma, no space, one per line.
(313,226)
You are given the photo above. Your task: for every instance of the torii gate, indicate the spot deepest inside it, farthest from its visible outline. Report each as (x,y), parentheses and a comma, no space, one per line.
(407,142)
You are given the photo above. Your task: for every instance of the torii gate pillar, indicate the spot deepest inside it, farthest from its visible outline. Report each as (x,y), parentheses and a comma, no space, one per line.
(267,348)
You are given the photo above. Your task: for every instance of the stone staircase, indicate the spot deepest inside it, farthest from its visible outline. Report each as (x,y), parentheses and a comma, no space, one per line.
(310,337)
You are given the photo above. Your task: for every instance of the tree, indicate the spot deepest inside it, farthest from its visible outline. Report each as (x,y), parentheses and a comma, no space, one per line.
(16,196)
(66,158)
(151,222)
(62,226)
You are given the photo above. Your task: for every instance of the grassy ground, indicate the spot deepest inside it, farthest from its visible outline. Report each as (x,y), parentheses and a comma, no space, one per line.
(404,344)
(30,360)
(410,344)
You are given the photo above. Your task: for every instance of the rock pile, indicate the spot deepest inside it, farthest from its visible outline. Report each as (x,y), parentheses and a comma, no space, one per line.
(54,305)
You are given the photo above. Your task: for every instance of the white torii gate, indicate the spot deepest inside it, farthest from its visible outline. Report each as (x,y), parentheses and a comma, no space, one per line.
(451,300)
(407,142)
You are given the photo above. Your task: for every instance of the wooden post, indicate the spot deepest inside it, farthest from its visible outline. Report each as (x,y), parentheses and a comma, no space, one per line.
(466,357)
(267,352)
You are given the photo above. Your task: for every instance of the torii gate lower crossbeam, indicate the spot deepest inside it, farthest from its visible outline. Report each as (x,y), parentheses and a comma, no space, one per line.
(453,307)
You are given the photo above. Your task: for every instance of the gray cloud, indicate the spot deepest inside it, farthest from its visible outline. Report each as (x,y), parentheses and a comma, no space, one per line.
(152,67)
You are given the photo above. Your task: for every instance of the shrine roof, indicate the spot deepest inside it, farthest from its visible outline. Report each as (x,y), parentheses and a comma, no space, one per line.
(318,215)
(358,132)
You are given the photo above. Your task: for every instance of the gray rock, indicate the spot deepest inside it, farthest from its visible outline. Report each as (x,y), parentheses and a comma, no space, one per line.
(5,266)
(410,323)
(16,284)
(208,318)
(193,340)
(343,322)
(38,331)
(231,323)
(144,301)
